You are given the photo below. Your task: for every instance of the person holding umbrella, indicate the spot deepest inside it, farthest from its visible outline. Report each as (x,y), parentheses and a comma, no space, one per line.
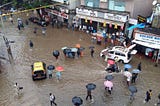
(133,90)
(56,54)
(90,87)
(50,69)
(59,69)
(77,101)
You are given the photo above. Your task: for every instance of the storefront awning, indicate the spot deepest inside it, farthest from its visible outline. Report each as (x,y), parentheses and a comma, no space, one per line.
(100,20)
(147,44)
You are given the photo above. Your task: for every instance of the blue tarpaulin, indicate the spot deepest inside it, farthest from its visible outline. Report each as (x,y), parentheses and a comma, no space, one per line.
(141,25)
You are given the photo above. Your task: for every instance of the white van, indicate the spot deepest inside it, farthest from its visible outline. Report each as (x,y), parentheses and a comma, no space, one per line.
(123,54)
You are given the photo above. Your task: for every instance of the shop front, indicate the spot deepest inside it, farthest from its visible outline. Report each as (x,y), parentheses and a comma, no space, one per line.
(102,20)
(148,43)
(58,13)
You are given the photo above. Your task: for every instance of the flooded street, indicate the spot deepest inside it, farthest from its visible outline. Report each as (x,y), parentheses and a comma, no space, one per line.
(77,72)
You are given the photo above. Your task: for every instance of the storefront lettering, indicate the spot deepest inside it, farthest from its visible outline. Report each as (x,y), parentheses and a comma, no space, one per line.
(115,17)
(147,38)
(86,12)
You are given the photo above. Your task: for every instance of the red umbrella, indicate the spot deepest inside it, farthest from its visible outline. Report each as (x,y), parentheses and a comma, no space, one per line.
(111,62)
(59,68)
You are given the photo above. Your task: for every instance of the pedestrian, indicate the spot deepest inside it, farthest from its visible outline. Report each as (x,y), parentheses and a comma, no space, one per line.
(31,44)
(128,81)
(139,66)
(11,20)
(58,75)
(43,30)
(52,99)
(158,103)
(50,73)
(89,95)
(155,55)
(26,22)
(78,52)
(134,77)
(35,30)
(19,27)
(148,96)
(92,52)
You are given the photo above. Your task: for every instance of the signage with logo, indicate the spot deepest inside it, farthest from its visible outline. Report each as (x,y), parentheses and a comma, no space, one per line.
(103,0)
(115,17)
(148,40)
(141,19)
(86,12)
(57,13)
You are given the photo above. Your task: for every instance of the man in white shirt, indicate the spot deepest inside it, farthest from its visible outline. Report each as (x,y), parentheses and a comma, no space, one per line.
(52,99)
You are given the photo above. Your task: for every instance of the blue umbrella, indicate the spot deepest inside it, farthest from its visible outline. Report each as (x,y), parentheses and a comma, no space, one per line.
(51,67)
(77,101)
(136,71)
(90,86)
(127,66)
(109,77)
(132,89)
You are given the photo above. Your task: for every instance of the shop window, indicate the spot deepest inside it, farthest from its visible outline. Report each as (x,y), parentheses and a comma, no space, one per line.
(92,3)
(116,5)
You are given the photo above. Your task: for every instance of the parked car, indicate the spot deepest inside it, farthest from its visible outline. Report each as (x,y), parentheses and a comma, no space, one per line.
(39,70)
(38,21)
(123,54)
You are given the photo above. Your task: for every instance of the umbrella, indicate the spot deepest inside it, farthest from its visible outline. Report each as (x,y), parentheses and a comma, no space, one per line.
(77,101)
(135,71)
(55,53)
(81,48)
(59,68)
(91,47)
(50,67)
(90,86)
(78,45)
(132,89)
(127,74)
(111,62)
(64,48)
(74,49)
(109,77)
(127,66)
(108,84)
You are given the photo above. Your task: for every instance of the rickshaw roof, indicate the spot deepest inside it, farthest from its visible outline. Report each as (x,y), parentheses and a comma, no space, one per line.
(38,66)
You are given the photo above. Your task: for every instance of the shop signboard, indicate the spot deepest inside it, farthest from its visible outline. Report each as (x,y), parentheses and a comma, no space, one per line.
(148,40)
(86,12)
(141,19)
(115,17)
(57,13)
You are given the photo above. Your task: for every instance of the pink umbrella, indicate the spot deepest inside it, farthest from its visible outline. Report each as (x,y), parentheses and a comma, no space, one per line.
(59,68)
(108,84)
(111,62)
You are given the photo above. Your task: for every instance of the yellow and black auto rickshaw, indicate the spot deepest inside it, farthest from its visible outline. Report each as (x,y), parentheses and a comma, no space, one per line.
(39,70)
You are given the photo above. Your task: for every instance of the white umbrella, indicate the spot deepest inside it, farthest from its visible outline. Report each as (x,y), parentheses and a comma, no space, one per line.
(127,74)
(74,49)
(64,48)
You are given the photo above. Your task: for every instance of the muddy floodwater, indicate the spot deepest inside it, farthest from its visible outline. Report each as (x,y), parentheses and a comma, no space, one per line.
(77,72)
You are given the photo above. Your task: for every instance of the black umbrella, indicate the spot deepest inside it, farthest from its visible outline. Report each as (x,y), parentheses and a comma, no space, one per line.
(51,67)
(109,77)
(55,53)
(132,89)
(90,86)
(91,47)
(77,101)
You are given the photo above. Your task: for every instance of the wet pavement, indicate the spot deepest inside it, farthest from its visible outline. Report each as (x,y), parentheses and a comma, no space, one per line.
(77,72)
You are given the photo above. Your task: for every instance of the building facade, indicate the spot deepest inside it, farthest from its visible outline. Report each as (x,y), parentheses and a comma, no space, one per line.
(63,10)
(135,7)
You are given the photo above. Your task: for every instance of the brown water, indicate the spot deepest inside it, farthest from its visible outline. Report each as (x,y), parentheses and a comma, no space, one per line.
(77,73)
